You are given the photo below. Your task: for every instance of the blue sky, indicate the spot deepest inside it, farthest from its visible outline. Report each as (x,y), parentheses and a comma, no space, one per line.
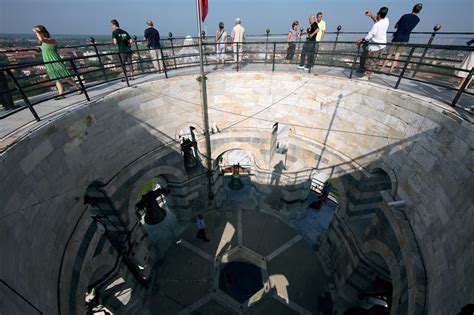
(91,17)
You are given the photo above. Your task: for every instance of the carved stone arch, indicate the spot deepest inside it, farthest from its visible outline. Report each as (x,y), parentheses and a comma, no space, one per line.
(411,256)
(254,152)
(380,165)
(169,173)
(391,261)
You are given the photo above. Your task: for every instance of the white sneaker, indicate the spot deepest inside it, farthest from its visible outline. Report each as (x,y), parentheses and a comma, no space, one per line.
(300,67)
(306,69)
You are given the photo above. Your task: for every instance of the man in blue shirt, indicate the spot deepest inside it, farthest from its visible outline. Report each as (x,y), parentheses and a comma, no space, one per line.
(152,36)
(404,26)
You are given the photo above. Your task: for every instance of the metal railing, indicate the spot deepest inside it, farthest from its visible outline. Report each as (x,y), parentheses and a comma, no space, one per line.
(317,187)
(26,85)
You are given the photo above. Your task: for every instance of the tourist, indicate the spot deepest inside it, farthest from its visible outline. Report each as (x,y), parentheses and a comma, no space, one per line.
(291,42)
(307,55)
(201,226)
(152,36)
(404,26)
(322,28)
(6,98)
(124,42)
(238,35)
(377,38)
(56,70)
(221,44)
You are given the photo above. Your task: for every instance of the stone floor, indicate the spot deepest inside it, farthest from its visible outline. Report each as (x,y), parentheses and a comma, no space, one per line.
(315,222)
(184,283)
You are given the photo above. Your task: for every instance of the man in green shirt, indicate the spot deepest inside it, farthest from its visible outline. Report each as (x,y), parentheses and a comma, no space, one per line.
(123,40)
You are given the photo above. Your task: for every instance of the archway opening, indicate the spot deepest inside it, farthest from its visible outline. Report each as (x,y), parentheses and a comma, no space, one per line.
(151,202)
(96,298)
(236,166)
(161,232)
(371,286)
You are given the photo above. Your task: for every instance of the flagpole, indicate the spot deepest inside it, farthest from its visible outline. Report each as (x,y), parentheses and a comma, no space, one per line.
(204,108)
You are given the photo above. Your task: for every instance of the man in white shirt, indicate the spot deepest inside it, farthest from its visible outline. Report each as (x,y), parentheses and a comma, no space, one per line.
(238,35)
(377,37)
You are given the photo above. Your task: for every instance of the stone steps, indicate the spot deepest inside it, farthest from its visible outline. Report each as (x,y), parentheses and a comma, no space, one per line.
(362,208)
(358,198)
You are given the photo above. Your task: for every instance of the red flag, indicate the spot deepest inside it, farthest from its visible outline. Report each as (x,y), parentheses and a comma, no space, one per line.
(204,9)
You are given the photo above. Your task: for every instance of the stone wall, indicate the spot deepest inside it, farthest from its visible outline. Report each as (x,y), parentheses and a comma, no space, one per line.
(337,126)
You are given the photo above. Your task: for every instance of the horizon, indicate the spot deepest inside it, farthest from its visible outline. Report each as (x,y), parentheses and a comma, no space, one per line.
(90,18)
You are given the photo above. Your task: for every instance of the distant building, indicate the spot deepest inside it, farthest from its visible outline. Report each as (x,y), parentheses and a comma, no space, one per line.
(90,53)
(189,50)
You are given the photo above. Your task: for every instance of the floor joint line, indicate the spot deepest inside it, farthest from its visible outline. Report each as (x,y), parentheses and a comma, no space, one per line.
(196,250)
(196,305)
(284,247)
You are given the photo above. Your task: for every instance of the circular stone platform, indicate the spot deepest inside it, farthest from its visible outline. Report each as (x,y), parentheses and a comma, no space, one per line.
(258,253)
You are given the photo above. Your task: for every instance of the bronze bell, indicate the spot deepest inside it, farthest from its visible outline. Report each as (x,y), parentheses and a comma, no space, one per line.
(154,214)
(189,159)
(235,181)
(187,148)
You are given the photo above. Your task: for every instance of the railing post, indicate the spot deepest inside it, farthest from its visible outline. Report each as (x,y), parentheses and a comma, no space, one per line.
(163,62)
(135,39)
(313,52)
(83,88)
(266,44)
(297,51)
(405,67)
(273,58)
(463,87)
(237,57)
(92,41)
(170,36)
(363,57)
(436,28)
(204,46)
(124,69)
(339,27)
(355,60)
(23,95)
